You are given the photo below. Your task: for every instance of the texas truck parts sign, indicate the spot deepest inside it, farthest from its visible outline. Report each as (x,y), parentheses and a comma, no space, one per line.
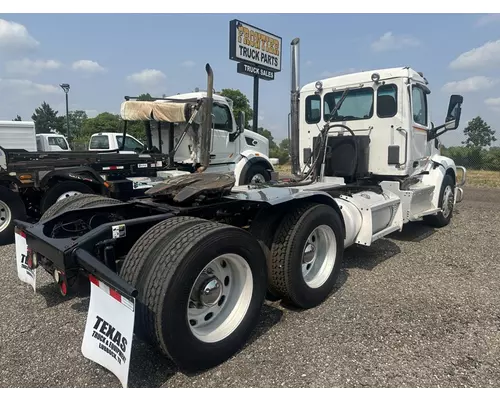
(254,46)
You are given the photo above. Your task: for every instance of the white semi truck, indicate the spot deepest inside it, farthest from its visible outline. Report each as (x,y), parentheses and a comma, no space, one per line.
(188,268)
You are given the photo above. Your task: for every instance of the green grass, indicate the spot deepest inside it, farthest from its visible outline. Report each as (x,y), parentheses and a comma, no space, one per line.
(479,178)
(475,178)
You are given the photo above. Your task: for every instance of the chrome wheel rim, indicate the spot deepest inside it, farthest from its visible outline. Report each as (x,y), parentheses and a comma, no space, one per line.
(258,178)
(67,194)
(318,256)
(219,298)
(5,216)
(448,198)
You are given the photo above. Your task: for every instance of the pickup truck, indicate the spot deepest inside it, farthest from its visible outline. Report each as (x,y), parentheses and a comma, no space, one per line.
(113,141)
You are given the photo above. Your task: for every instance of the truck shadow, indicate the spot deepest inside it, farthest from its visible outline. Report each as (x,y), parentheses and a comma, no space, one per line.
(413,232)
(149,369)
(368,258)
(52,296)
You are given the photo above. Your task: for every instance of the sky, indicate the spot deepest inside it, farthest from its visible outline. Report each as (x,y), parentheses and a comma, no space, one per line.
(107,56)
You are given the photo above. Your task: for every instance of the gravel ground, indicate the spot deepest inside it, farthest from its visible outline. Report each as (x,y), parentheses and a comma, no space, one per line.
(419,309)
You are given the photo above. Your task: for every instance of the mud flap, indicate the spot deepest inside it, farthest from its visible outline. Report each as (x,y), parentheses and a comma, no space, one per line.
(24,273)
(109,329)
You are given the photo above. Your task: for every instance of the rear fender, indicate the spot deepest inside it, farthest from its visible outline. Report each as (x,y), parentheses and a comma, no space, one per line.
(82,174)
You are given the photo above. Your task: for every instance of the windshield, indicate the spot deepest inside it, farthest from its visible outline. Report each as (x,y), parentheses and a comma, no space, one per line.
(358,104)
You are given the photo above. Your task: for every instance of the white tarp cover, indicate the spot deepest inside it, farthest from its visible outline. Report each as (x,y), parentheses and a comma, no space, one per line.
(147,110)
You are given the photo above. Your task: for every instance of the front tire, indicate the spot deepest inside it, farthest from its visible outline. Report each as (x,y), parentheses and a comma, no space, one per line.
(204,294)
(257,173)
(446,203)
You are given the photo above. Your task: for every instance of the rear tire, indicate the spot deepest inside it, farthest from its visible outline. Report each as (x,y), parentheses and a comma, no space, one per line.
(263,228)
(61,191)
(139,259)
(307,255)
(11,208)
(172,297)
(76,202)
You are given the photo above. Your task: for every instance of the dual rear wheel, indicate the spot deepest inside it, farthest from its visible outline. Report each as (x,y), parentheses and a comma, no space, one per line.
(202,284)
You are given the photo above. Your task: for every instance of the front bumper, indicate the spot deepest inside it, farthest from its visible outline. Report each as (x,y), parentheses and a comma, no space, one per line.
(459,192)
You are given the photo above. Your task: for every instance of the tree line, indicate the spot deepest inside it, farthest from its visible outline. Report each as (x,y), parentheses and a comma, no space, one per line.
(81,126)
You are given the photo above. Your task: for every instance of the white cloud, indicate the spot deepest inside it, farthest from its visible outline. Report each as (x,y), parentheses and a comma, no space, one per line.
(188,64)
(261,118)
(309,63)
(91,113)
(147,77)
(488,19)
(472,84)
(389,41)
(487,55)
(87,66)
(493,103)
(27,87)
(14,36)
(30,67)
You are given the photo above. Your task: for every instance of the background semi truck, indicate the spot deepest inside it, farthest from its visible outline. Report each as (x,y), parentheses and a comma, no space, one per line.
(117,165)
(187,268)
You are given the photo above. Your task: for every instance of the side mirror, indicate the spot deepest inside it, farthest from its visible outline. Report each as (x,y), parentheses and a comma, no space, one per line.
(452,118)
(241,122)
(454,111)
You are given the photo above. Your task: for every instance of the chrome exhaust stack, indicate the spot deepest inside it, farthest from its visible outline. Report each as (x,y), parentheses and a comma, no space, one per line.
(294,107)
(206,136)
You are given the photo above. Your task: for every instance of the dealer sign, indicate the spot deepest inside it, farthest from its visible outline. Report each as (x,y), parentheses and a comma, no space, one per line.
(251,45)
(250,70)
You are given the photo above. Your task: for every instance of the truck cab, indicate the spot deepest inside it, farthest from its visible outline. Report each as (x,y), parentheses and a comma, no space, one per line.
(51,142)
(234,148)
(387,110)
(103,141)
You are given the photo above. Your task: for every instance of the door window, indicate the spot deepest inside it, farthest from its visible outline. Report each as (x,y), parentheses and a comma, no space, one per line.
(313,109)
(387,101)
(419,106)
(130,143)
(222,119)
(58,141)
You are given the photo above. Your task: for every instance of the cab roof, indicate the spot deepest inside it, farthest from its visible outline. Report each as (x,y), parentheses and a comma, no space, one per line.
(365,76)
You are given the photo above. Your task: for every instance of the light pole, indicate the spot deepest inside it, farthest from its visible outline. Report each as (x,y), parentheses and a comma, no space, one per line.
(65,87)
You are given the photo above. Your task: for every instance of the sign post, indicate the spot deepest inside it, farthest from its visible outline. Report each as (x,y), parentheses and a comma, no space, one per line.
(258,54)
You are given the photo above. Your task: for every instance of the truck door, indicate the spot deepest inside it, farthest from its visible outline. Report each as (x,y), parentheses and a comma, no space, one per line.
(420,122)
(223,150)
